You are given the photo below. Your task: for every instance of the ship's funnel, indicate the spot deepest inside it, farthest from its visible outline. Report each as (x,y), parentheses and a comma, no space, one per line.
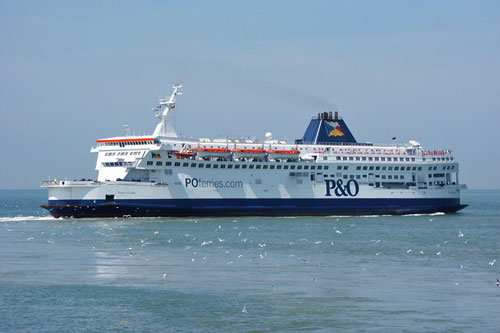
(324,129)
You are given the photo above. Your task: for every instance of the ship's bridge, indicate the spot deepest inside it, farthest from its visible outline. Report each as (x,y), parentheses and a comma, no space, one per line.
(127,141)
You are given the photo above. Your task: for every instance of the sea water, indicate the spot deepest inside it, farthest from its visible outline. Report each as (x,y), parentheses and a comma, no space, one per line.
(374,273)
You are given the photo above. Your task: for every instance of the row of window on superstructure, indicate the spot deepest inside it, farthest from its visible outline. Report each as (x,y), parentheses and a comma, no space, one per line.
(397,168)
(293,166)
(118,164)
(123,144)
(123,153)
(241,166)
(383,159)
(397,177)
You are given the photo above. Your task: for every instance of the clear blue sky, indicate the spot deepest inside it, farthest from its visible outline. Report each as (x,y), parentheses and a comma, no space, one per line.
(75,71)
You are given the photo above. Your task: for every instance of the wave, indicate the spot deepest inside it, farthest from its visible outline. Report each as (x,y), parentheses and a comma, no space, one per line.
(433,214)
(26,218)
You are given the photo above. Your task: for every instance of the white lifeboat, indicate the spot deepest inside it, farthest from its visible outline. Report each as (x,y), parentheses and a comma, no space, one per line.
(213,152)
(249,153)
(283,154)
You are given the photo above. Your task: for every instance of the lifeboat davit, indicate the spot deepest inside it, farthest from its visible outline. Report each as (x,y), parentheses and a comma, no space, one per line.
(249,153)
(283,154)
(213,152)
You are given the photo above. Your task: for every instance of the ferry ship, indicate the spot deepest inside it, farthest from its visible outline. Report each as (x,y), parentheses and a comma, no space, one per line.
(326,172)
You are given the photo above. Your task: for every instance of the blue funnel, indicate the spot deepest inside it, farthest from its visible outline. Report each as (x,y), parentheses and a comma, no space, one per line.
(327,130)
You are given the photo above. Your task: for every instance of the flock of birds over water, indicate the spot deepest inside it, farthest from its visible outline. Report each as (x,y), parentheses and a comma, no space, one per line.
(217,239)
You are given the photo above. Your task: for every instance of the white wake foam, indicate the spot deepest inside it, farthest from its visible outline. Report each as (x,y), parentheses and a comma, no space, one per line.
(26,218)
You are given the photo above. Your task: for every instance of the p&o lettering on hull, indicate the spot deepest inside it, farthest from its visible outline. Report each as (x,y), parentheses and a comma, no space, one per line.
(350,189)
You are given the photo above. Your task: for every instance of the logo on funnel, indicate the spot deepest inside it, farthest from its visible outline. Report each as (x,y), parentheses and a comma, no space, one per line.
(333,128)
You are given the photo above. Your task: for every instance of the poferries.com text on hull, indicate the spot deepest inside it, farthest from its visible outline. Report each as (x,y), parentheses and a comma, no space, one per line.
(327,172)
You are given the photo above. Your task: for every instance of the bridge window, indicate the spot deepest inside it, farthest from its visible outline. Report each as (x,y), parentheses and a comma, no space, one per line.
(159,163)
(149,163)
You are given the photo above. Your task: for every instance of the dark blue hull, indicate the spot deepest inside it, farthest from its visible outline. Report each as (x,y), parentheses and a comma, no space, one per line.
(249,207)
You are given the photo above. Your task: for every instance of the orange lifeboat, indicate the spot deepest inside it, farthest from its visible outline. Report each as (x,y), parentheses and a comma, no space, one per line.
(184,154)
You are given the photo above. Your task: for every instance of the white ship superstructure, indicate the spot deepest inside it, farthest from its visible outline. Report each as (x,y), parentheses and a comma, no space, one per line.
(325,173)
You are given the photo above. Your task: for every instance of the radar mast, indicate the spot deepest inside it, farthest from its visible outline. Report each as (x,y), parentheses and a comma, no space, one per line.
(164,127)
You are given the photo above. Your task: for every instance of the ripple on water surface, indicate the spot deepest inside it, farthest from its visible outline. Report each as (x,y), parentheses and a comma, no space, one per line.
(425,272)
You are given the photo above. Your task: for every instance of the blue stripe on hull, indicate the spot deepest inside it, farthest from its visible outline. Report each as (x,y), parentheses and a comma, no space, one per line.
(249,207)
